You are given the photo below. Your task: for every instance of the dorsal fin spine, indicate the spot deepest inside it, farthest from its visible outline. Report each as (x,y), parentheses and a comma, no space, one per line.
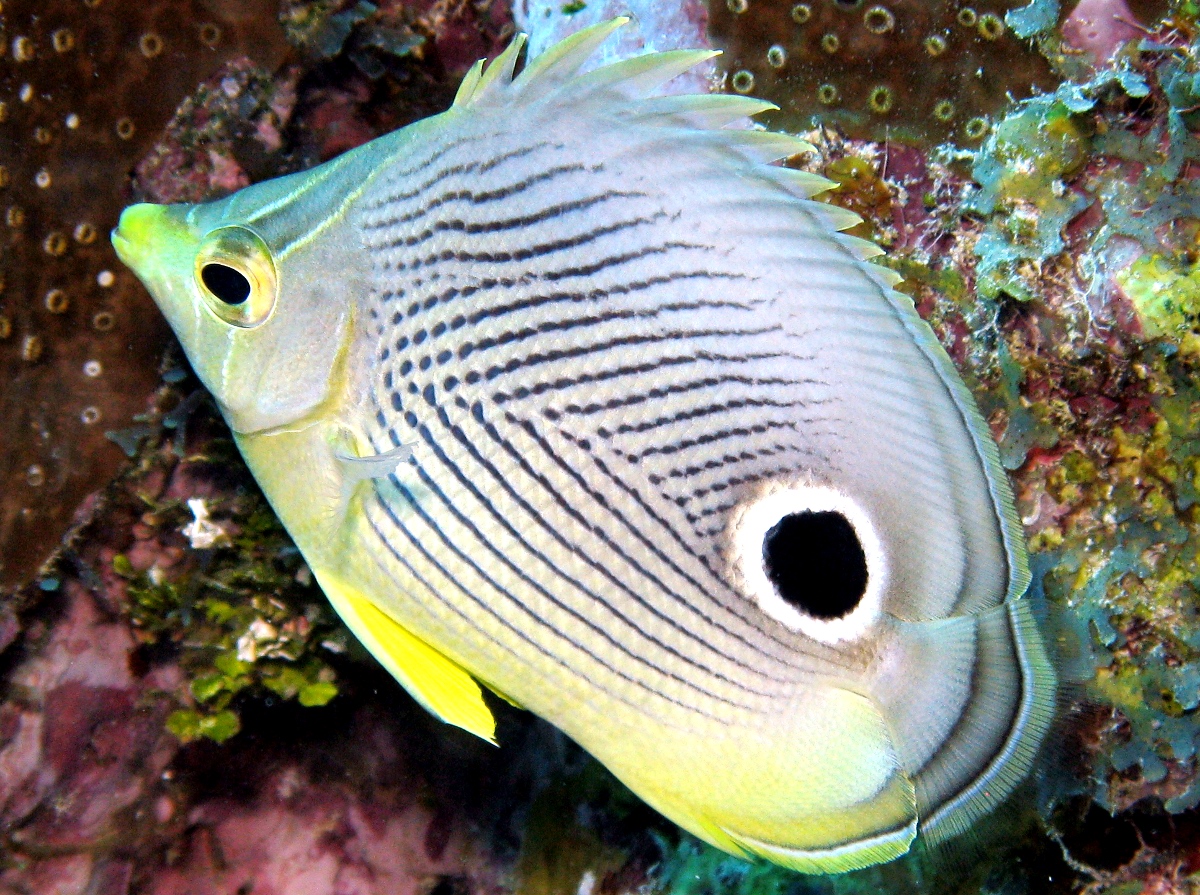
(470,81)
(559,63)
(639,76)
(498,76)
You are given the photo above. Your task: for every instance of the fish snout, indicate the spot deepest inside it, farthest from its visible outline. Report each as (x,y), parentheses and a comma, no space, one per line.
(147,235)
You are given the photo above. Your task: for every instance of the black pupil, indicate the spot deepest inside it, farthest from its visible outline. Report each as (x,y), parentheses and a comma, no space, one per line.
(225,283)
(816,563)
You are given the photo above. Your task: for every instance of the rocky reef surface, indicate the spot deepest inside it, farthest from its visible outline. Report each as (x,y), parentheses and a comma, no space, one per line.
(181,711)
(79,341)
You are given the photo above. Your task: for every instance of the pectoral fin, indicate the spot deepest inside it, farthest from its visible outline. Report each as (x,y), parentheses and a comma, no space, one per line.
(356,468)
(440,685)
(378,466)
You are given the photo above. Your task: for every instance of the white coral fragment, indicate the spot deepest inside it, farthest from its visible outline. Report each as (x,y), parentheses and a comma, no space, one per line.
(202,532)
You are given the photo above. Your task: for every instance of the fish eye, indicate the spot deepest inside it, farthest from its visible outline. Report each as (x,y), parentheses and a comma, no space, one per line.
(225,282)
(810,558)
(236,276)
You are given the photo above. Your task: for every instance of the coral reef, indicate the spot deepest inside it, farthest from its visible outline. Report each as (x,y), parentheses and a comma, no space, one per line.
(1100,27)
(223,136)
(1056,258)
(1056,262)
(79,340)
(1079,337)
(656,27)
(1060,280)
(169,624)
(237,611)
(179,701)
(852,63)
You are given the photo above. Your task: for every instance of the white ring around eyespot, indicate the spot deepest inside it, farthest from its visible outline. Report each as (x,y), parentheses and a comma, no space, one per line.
(749,526)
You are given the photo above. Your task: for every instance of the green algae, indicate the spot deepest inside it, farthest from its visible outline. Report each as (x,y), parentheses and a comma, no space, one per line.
(1124,560)
(1023,170)
(1032,182)
(237,608)
(860,188)
(1166,296)
(366,35)
(1036,18)
(692,868)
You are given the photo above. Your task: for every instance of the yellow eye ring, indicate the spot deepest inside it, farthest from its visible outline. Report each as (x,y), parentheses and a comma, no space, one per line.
(236,275)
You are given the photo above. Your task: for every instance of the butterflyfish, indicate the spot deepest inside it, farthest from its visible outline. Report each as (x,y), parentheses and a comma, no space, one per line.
(573,393)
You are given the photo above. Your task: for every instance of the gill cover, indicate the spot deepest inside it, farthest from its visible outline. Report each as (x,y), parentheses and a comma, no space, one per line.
(573,392)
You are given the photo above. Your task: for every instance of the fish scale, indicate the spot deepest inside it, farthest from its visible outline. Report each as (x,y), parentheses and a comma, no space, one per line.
(508,474)
(417,325)
(570,392)
(505,475)
(551,634)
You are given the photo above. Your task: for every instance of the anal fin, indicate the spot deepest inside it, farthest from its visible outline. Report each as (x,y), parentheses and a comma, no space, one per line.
(442,686)
(885,846)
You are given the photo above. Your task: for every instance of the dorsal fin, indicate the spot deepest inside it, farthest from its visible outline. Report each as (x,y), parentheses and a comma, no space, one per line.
(703,111)
(703,119)
(470,81)
(639,76)
(804,184)
(555,73)
(498,76)
(561,62)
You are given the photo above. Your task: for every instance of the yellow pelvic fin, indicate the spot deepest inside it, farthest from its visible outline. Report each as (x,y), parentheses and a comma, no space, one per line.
(440,685)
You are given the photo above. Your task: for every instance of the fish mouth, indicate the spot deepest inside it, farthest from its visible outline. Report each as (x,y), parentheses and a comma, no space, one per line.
(148,237)
(139,227)
(123,246)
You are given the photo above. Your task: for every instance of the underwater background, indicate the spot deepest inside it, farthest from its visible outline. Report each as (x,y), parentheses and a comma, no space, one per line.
(180,709)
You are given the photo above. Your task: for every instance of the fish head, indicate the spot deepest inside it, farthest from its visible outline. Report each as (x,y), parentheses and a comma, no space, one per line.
(245,282)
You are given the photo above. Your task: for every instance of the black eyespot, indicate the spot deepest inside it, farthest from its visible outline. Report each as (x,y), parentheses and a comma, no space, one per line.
(816,563)
(225,283)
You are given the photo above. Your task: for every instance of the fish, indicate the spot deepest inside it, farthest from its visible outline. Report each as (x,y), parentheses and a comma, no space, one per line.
(574,394)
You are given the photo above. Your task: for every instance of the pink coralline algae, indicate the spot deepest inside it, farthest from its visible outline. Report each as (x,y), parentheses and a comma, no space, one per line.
(84,748)
(97,795)
(1100,28)
(300,835)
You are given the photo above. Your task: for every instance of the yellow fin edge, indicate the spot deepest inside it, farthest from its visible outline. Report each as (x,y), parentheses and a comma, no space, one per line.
(851,855)
(440,685)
